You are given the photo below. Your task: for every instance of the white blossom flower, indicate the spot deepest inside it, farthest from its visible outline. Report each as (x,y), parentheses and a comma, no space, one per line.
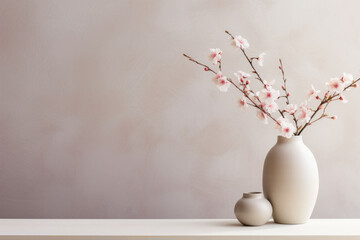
(269,84)
(221,82)
(262,116)
(261,59)
(313,93)
(291,108)
(240,42)
(347,78)
(241,76)
(304,113)
(271,107)
(268,95)
(277,124)
(343,99)
(335,85)
(286,128)
(243,104)
(252,96)
(215,55)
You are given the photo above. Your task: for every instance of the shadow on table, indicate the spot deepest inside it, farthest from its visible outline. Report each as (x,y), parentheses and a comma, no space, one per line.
(236,224)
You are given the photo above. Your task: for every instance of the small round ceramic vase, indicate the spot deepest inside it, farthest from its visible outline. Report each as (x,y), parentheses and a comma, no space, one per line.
(253,209)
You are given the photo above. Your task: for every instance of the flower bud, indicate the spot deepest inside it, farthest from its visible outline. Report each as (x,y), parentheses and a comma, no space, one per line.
(206,69)
(288,94)
(247,82)
(283,87)
(321,106)
(334,117)
(317,97)
(355,85)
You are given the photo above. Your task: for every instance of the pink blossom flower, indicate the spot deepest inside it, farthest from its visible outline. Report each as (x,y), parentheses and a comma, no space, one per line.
(269,95)
(278,123)
(271,107)
(240,42)
(291,108)
(335,85)
(313,93)
(261,59)
(343,99)
(215,55)
(243,104)
(221,82)
(262,116)
(304,113)
(347,78)
(287,129)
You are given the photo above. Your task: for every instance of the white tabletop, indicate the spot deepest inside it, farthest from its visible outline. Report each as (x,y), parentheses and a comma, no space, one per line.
(175,229)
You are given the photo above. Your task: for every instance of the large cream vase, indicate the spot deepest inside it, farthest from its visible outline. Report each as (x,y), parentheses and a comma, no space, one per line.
(291,180)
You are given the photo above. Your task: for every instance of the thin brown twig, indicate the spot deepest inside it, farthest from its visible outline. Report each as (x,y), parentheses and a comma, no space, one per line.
(287,94)
(193,60)
(284,80)
(281,113)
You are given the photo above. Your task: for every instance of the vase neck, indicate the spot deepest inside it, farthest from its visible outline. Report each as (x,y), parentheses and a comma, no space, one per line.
(293,139)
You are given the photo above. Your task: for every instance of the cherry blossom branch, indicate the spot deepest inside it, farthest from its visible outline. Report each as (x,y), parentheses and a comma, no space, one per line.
(249,60)
(206,68)
(253,104)
(258,77)
(324,114)
(326,100)
(264,100)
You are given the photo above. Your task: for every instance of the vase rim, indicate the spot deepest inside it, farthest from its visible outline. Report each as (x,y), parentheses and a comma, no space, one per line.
(252,194)
(291,139)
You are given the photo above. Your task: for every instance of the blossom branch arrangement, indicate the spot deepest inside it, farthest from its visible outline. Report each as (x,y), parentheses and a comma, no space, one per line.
(291,120)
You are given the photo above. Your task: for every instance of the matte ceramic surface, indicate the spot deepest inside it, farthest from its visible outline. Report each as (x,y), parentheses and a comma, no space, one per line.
(253,209)
(291,180)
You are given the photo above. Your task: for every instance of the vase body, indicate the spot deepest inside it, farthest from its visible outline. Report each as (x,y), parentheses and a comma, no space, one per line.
(291,180)
(253,209)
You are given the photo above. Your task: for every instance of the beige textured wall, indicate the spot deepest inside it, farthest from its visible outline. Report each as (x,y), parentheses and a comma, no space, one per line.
(101,116)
